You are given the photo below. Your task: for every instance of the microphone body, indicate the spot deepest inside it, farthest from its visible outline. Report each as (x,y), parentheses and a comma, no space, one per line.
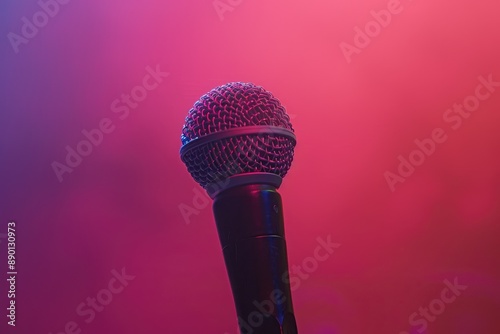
(238,144)
(249,221)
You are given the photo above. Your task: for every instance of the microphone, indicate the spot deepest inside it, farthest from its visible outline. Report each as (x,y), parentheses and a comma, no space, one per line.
(238,144)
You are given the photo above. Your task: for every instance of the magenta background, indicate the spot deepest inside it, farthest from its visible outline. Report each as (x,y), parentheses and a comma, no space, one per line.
(120,207)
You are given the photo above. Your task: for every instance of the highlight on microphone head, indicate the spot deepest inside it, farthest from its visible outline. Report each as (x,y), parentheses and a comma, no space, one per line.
(238,130)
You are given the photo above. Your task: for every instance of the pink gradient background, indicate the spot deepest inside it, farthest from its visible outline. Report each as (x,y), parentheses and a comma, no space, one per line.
(120,207)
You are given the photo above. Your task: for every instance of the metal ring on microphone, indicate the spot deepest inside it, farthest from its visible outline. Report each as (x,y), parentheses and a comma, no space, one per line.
(234,132)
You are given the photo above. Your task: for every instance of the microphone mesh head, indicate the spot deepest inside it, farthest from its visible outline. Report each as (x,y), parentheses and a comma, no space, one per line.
(236,105)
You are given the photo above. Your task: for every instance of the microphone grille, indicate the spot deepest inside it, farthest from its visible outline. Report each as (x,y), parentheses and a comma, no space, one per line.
(231,106)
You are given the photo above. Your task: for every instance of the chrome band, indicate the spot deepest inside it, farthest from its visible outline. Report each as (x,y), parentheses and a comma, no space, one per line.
(242,179)
(241,131)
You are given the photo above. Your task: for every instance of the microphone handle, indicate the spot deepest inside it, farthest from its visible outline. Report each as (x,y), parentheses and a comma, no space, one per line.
(249,221)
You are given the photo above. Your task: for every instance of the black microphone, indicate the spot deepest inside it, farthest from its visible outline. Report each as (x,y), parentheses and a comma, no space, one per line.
(238,144)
